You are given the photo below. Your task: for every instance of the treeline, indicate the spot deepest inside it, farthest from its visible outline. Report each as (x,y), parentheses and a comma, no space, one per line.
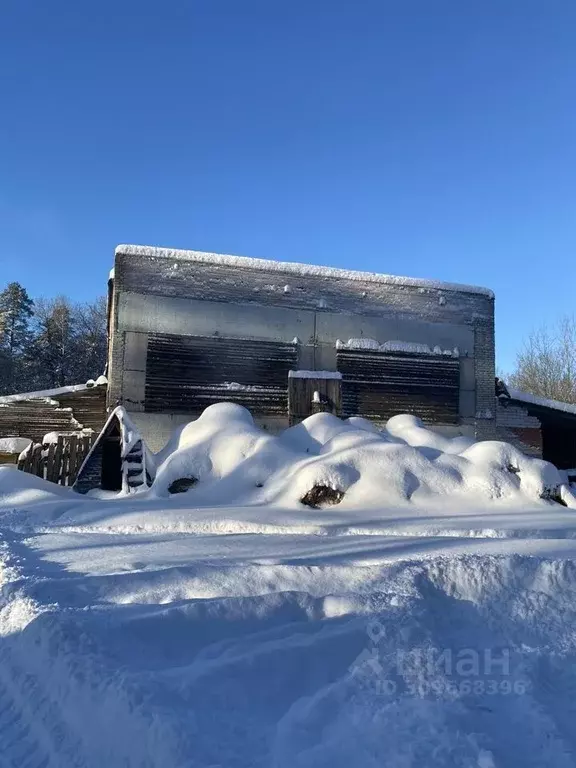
(546,363)
(48,343)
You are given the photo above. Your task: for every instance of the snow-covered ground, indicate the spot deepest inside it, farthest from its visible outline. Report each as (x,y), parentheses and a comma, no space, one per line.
(427,619)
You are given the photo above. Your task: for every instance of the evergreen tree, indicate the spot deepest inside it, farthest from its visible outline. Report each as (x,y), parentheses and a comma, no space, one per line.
(49,343)
(16,310)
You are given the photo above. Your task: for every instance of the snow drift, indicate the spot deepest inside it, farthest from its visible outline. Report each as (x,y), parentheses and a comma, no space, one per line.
(232,461)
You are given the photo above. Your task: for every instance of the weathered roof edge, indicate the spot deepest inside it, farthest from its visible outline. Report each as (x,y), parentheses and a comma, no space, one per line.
(543,402)
(288,267)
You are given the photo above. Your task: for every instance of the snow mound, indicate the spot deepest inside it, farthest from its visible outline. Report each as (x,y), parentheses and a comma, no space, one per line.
(18,488)
(14,444)
(232,461)
(50,438)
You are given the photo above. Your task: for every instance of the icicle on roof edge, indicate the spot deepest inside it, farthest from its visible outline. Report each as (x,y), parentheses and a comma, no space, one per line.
(297,268)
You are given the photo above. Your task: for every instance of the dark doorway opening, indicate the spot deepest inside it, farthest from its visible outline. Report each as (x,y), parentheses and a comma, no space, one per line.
(559,445)
(111,475)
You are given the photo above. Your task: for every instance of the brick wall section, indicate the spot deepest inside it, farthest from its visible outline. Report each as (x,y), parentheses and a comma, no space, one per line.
(516,416)
(516,426)
(531,437)
(116,369)
(116,348)
(485,372)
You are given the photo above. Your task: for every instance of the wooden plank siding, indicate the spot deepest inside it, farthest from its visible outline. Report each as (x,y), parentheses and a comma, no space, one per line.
(188,373)
(301,397)
(379,385)
(185,374)
(88,406)
(36,417)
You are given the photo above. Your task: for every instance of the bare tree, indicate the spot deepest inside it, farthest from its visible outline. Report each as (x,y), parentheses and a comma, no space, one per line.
(546,365)
(69,345)
(91,339)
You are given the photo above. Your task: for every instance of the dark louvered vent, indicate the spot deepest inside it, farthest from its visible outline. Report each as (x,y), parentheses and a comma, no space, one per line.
(189,373)
(379,385)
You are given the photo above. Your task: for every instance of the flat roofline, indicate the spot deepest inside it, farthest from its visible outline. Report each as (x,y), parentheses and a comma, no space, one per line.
(294,268)
(527,399)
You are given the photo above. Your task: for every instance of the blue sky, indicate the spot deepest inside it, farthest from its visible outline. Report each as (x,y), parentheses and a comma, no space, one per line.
(433,138)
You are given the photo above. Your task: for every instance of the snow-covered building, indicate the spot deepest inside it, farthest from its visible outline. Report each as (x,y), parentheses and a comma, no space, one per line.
(188,329)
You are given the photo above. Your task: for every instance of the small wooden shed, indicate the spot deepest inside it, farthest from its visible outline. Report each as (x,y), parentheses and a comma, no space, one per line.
(119,460)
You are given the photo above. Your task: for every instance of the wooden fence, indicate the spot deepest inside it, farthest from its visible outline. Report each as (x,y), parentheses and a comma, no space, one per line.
(57,462)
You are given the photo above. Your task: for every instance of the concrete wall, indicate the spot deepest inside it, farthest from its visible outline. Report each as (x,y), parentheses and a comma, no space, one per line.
(447,319)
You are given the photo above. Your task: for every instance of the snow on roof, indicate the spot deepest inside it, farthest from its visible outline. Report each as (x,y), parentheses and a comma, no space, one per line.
(526,397)
(48,394)
(409,347)
(43,394)
(297,268)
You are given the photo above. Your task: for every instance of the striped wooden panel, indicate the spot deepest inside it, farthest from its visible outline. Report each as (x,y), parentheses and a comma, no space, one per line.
(88,406)
(69,412)
(379,385)
(185,374)
(34,418)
